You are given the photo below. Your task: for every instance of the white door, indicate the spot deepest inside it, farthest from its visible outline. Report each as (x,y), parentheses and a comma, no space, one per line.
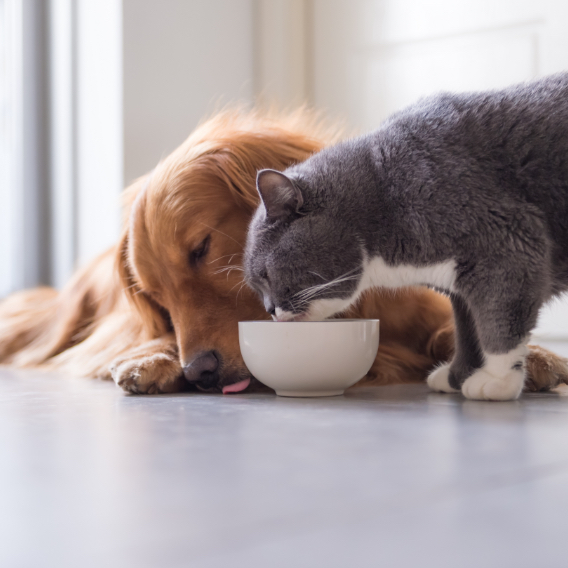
(372,57)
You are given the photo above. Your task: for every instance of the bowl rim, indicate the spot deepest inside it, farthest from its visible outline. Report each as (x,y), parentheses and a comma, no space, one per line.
(351,320)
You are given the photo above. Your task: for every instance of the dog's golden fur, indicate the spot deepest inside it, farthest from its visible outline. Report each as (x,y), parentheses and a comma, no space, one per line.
(145,308)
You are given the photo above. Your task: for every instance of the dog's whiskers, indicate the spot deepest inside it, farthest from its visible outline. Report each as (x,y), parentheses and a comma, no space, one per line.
(242,281)
(228,269)
(221,232)
(225,256)
(242,285)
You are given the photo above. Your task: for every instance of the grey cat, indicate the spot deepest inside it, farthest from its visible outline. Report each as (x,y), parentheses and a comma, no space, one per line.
(465,193)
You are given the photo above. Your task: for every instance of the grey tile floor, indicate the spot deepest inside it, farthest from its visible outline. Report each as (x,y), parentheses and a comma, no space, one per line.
(389,477)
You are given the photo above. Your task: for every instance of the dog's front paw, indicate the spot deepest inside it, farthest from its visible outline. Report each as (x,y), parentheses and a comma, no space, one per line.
(439,379)
(153,374)
(483,385)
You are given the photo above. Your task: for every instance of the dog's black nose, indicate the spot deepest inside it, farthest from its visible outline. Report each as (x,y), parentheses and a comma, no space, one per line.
(202,369)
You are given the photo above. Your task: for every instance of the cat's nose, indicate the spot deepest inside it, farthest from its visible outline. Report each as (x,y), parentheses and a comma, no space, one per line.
(269,306)
(202,368)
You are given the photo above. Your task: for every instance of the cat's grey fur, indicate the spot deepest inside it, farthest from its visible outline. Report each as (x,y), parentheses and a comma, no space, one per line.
(467,192)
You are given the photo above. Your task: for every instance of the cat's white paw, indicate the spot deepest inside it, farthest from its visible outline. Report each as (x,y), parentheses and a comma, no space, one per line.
(482,385)
(438,379)
(501,378)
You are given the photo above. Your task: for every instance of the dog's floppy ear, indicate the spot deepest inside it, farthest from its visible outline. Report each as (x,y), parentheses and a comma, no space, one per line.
(279,193)
(155,323)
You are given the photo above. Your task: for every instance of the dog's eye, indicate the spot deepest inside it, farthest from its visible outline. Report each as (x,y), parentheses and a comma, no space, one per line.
(200,252)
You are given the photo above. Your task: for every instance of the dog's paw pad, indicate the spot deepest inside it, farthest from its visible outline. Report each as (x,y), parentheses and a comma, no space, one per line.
(154,374)
(485,386)
(439,379)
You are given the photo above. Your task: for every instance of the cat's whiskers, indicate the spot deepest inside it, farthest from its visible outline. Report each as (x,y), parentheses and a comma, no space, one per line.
(298,305)
(306,299)
(310,292)
(317,274)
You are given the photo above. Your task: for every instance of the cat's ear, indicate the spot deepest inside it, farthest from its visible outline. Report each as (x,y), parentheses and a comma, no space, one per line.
(279,194)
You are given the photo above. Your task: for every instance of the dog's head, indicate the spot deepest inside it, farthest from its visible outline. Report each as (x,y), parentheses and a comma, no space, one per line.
(181,251)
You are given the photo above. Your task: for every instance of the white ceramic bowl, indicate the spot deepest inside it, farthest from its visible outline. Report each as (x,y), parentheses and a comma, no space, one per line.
(309,358)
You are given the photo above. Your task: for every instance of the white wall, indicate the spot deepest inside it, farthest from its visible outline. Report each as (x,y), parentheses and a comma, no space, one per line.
(180,58)
(282,57)
(372,57)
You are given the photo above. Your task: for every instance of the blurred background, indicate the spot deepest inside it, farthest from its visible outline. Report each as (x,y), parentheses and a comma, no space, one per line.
(95,93)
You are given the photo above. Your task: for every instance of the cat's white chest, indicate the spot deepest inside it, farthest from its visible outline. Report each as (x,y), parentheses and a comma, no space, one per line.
(378,273)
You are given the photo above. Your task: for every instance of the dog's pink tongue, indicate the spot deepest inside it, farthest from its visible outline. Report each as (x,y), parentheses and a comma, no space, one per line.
(237,387)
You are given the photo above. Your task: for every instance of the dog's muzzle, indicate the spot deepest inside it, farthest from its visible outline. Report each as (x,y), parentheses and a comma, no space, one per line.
(203,370)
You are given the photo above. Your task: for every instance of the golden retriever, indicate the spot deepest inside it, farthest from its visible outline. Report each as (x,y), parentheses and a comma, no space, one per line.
(158,312)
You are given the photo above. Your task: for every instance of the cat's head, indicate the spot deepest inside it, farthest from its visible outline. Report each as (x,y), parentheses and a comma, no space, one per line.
(303,255)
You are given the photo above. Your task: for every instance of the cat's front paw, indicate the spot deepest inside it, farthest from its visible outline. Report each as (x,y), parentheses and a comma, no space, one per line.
(483,385)
(439,379)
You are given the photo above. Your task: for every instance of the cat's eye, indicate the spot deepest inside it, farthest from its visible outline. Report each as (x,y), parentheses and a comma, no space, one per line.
(200,252)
